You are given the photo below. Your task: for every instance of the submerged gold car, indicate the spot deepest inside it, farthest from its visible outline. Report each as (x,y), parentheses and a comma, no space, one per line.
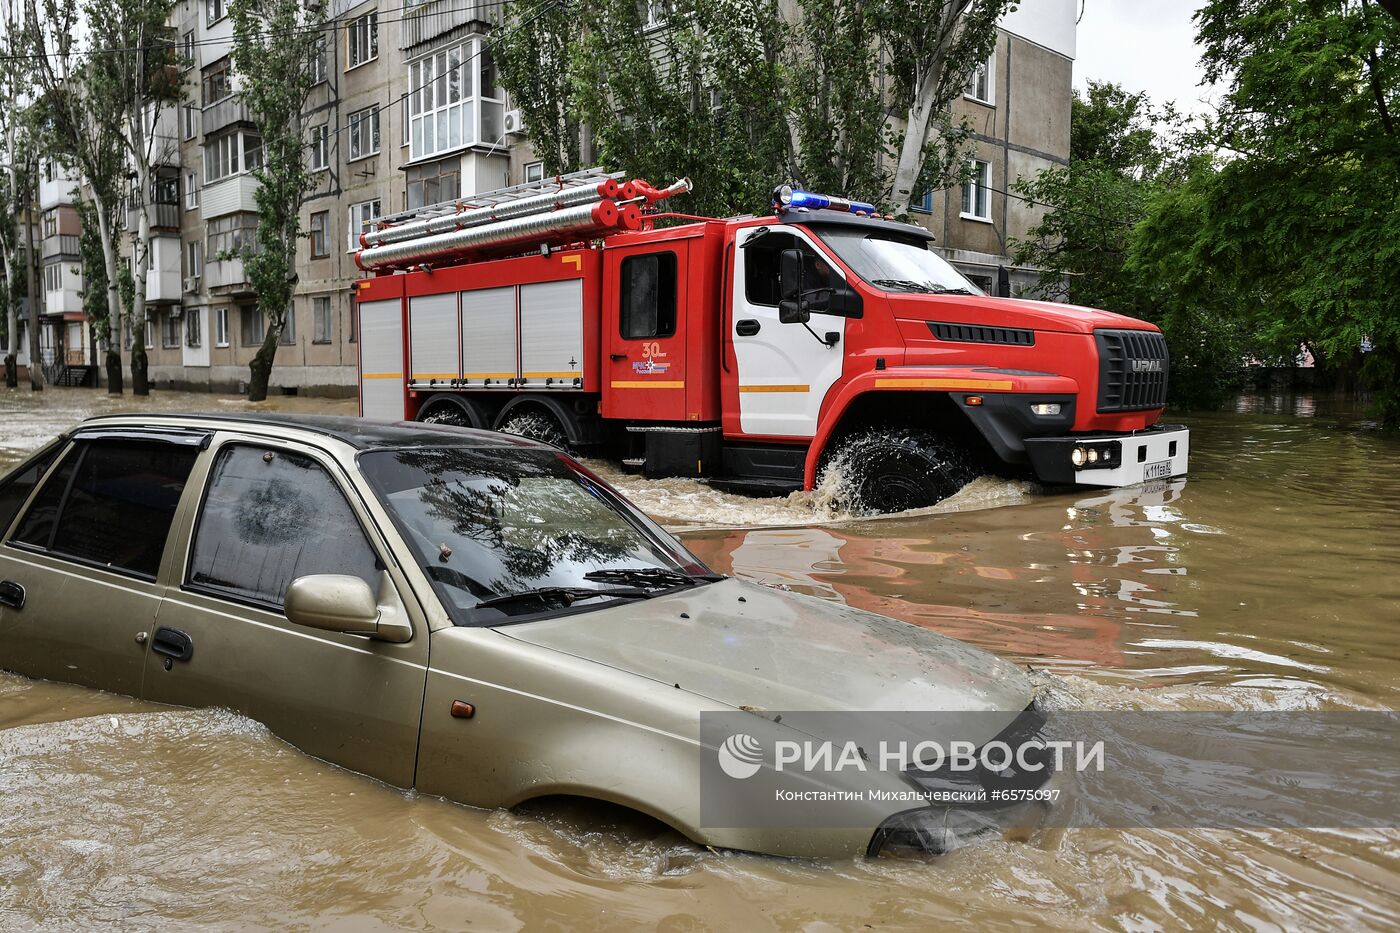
(472,614)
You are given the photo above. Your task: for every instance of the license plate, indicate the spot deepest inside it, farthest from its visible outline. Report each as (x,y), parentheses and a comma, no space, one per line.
(1159,470)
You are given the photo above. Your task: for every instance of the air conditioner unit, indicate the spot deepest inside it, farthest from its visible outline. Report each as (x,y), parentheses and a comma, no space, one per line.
(514,123)
(192,283)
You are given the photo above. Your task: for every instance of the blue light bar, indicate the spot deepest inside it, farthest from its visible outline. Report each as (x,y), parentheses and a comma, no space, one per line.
(787,198)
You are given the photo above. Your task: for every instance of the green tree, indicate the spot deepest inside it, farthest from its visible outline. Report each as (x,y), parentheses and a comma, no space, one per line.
(275,47)
(1112,236)
(79,130)
(1306,205)
(134,78)
(741,94)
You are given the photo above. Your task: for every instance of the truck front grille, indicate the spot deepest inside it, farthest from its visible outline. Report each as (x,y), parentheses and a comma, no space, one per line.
(1133,369)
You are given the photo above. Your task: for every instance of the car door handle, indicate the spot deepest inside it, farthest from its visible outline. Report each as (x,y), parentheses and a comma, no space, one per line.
(11,594)
(746,328)
(617,356)
(173,643)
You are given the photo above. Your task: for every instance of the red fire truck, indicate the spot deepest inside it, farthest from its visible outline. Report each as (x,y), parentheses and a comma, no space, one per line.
(754,352)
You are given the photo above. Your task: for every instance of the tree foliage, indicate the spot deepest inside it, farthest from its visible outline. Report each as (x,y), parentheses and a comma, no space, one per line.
(1306,205)
(743,94)
(275,45)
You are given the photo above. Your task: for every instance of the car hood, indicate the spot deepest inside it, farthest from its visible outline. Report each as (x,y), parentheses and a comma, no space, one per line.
(756,648)
(1009,312)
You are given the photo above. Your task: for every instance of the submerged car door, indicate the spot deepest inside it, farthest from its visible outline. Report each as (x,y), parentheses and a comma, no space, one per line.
(80,569)
(268,514)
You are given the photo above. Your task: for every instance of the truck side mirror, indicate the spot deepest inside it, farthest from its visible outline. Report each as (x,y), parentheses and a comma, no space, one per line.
(791,307)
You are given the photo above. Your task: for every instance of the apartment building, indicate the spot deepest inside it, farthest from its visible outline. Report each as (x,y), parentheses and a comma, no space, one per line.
(409,112)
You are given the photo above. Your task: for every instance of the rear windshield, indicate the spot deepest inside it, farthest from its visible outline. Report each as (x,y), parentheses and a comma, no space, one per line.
(489,522)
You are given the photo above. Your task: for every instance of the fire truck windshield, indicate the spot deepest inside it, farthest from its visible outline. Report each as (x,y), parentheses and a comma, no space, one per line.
(510,532)
(896,264)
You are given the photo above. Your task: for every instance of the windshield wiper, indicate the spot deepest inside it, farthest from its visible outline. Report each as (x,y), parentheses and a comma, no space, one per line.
(553,595)
(649,576)
(904,284)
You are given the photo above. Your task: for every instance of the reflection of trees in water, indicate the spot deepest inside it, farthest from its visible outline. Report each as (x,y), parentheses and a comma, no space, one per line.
(486,497)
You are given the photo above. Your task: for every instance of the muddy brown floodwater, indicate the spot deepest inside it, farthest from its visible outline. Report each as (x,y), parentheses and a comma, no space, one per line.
(1269,579)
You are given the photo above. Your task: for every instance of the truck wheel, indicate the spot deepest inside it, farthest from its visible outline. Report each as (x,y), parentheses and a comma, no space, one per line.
(892,470)
(449,412)
(537,425)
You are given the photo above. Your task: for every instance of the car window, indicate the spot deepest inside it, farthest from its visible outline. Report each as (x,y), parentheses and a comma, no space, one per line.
(649,296)
(16,487)
(762,255)
(270,516)
(111,503)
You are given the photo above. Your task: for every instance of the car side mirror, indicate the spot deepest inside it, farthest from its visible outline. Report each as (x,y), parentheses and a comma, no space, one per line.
(792,308)
(337,602)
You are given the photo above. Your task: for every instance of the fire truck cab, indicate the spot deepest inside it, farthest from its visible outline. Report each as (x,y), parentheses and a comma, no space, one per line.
(763,354)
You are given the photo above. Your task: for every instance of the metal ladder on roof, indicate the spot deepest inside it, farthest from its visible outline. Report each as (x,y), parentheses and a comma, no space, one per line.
(589,176)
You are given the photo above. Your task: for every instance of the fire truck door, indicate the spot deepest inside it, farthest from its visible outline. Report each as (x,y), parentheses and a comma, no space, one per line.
(784,371)
(381,359)
(645,337)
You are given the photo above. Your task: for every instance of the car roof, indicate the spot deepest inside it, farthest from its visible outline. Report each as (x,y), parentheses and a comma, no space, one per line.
(359,433)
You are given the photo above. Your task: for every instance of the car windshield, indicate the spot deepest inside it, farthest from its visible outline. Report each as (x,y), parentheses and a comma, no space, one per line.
(508,533)
(893,263)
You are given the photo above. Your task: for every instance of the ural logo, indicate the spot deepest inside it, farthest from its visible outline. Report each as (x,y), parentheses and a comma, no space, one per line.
(740,756)
(1147,366)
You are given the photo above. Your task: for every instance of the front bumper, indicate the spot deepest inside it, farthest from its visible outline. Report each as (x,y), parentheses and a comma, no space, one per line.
(1158,452)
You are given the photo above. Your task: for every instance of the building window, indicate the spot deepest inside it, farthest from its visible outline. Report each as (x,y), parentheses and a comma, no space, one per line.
(321,319)
(187,49)
(363,127)
(362,40)
(53,278)
(360,216)
(979,83)
(319,71)
(534,171)
(214,10)
(454,100)
(433,184)
(50,222)
(233,236)
(169,330)
(250,325)
(150,333)
(217,82)
(924,204)
(658,12)
(231,153)
(649,296)
(289,328)
(187,121)
(976,192)
(221,327)
(166,190)
(194,262)
(193,338)
(320,234)
(191,191)
(320,147)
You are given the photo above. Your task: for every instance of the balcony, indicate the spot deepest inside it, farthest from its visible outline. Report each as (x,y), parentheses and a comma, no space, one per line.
(56,191)
(161,124)
(163,217)
(225,113)
(163,278)
(63,301)
(64,245)
(230,195)
(227,277)
(431,18)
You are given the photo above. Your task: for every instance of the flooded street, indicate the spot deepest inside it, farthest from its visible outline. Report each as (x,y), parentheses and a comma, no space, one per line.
(1268,579)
